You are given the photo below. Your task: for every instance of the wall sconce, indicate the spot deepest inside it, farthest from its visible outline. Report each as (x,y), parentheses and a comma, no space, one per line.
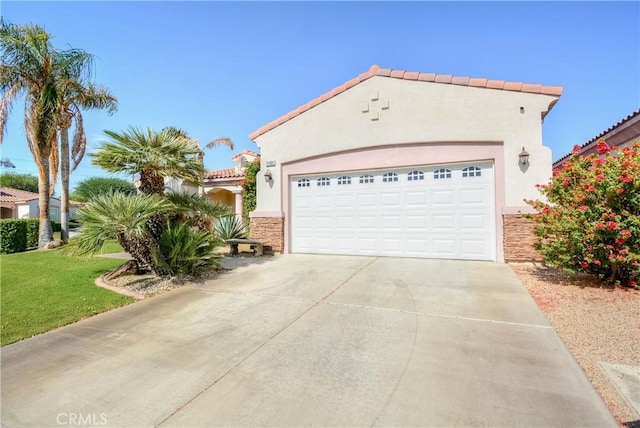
(267,176)
(524,157)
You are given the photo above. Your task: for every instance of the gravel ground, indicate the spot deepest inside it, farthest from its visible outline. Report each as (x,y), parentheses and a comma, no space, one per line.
(597,324)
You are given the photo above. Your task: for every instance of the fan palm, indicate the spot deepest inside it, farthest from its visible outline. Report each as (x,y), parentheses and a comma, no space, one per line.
(124,218)
(195,210)
(75,94)
(220,141)
(153,155)
(29,66)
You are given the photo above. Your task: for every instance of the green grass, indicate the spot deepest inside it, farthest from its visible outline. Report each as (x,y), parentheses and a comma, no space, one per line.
(43,290)
(111,247)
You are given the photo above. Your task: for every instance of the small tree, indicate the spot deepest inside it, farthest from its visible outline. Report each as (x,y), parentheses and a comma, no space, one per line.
(591,222)
(26,182)
(94,186)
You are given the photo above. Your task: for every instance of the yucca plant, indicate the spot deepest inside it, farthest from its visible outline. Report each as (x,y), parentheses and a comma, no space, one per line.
(186,251)
(230,227)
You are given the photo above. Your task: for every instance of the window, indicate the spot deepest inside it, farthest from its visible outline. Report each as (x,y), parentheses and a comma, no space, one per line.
(324,181)
(365,179)
(415,176)
(345,179)
(304,182)
(442,173)
(389,177)
(471,171)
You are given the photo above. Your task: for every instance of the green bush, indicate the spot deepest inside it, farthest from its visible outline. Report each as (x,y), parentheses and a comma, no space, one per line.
(13,236)
(591,222)
(186,251)
(56,226)
(32,225)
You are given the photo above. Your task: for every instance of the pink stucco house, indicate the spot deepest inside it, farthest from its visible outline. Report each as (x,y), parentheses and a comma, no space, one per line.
(405,163)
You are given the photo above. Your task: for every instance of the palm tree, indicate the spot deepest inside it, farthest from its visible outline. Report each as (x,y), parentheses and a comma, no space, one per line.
(76,94)
(196,211)
(219,141)
(124,218)
(29,66)
(153,155)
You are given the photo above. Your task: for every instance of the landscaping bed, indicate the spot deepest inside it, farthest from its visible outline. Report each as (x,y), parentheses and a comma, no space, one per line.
(597,324)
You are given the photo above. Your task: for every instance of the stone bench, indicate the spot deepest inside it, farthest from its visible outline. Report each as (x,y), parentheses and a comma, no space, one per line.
(257,246)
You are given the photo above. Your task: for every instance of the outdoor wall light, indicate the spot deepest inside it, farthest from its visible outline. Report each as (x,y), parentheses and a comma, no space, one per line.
(267,176)
(524,157)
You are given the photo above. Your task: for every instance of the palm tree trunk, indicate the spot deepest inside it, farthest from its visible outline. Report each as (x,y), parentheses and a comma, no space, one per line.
(45,232)
(64,183)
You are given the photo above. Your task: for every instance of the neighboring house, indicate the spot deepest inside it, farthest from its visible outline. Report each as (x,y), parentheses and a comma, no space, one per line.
(222,185)
(397,163)
(620,135)
(16,203)
(225,185)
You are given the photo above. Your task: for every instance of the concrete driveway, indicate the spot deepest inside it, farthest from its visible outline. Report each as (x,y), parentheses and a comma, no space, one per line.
(310,341)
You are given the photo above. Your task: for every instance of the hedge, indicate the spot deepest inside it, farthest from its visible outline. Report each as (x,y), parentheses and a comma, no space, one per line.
(32,232)
(18,235)
(13,236)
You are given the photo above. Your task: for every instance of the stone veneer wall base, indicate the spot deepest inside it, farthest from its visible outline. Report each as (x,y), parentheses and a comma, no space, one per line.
(269,231)
(519,239)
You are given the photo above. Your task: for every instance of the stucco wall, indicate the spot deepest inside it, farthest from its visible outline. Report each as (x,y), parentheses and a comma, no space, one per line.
(418,112)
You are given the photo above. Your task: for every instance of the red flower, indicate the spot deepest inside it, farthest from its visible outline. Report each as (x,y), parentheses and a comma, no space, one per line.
(576,149)
(583,208)
(584,265)
(625,233)
(619,190)
(599,177)
(612,225)
(603,147)
(596,262)
(565,182)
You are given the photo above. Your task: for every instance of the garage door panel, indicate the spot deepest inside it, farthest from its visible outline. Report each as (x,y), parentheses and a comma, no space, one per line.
(442,197)
(418,215)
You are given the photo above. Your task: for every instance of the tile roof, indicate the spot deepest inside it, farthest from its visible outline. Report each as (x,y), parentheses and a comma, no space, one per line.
(411,75)
(223,173)
(594,140)
(246,152)
(8,194)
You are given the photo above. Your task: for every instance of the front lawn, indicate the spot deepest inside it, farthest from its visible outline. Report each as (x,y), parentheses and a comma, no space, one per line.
(43,290)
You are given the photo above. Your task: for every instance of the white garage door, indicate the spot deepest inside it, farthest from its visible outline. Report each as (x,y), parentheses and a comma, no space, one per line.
(436,211)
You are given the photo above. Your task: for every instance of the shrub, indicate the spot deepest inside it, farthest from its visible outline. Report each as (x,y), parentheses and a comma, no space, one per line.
(56,226)
(93,186)
(186,251)
(249,188)
(591,222)
(32,225)
(230,227)
(13,236)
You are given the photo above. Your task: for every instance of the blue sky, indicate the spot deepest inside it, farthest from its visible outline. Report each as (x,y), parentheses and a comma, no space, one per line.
(225,69)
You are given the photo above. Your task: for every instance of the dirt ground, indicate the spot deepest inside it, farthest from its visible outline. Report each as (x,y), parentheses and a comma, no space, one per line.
(597,324)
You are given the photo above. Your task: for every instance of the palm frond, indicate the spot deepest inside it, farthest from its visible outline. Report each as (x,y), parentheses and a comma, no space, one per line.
(112,215)
(220,141)
(5,108)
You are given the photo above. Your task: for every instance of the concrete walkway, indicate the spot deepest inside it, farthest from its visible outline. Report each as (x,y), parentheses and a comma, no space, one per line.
(310,341)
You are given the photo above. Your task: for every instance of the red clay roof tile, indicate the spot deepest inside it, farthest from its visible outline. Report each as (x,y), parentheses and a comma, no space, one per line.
(9,194)
(412,75)
(223,173)
(246,152)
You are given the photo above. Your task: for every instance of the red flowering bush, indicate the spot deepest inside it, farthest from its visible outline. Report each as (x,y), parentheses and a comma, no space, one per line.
(591,222)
